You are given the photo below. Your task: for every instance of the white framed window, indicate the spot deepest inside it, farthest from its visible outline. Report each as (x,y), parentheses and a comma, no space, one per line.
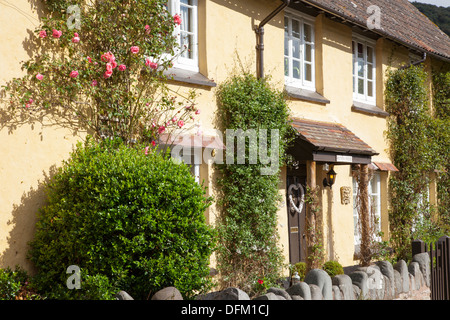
(364,67)
(374,204)
(186,33)
(299,62)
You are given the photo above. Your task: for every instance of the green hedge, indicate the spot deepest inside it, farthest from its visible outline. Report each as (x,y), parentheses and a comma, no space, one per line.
(130,221)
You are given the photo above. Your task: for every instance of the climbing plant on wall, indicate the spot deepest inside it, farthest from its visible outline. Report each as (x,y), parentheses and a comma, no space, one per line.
(99,66)
(416,149)
(248,246)
(441,103)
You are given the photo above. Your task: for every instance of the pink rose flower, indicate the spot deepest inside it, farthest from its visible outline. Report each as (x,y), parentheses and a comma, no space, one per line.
(75,38)
(161,129)
(27,105)
(153,143)
(134,49)
(107,74)
(114,64)
(147,27)
(122,67)
(39,76)
(146,150)
(42,33)
(180,123)
(177,19)
(107,57)
(89,59)
(30,101)
(94,83)
(149,63)
(74,74)
(57,33)
(109,67)
(197,111)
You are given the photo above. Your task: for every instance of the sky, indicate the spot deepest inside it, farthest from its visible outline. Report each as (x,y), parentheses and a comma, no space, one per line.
(442,3)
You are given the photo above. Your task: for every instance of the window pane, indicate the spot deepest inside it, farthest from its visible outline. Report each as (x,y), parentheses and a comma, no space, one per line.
(308,72)
(307,32)
(360,51)
(188,2)
(295,29)
(361,86)
(186,45)
(296,69)
(361,67)
(369,54)
(186,24)
(286,67)
(354,80)
(286,26)
(308,53)
(286,46)
(370,88)
(370,71)
(296,48)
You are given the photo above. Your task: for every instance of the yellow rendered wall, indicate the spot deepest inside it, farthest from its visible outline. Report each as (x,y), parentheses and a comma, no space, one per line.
(29,152)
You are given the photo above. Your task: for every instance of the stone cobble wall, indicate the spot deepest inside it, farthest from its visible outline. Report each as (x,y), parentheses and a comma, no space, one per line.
(380,281)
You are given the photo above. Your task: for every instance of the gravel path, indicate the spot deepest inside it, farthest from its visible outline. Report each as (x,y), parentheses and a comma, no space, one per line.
(423,293)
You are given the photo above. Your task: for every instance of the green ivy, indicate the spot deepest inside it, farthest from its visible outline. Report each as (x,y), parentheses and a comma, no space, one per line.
(248,248)
(417,148)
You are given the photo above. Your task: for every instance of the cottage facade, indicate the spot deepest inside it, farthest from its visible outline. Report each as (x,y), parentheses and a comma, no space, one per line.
(330,57)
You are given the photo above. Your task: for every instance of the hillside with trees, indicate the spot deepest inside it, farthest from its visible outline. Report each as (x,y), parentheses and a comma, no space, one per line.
(439,15)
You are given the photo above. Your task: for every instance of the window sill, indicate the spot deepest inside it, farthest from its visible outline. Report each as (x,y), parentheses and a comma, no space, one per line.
(368,109)
(306,95)
(187,76)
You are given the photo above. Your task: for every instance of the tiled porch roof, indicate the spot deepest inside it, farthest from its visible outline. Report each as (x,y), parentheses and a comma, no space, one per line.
(332,137)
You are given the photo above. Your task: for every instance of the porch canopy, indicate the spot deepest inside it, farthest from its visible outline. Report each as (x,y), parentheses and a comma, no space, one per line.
(329,142)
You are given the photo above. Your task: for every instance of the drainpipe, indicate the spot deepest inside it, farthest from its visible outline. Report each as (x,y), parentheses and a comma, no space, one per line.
(415,63)
(259,30)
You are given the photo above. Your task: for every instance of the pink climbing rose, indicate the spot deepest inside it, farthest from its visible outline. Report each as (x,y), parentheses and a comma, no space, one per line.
(109,67)
(180,123)
(108,57)
(74,74)
(75,38)
(39,76)
(149,63)
(177,19)
(94,83)
(122,67)
(57,33)
(42,33)
(161,129)
(134,49)
(107,74)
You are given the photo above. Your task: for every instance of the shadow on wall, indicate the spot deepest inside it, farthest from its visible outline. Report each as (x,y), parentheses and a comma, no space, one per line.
(22,225)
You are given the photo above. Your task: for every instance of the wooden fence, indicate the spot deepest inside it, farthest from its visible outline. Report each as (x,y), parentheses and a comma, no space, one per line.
(439,265)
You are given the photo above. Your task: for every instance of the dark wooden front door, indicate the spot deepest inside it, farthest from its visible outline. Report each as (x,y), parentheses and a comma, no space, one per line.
(296,207)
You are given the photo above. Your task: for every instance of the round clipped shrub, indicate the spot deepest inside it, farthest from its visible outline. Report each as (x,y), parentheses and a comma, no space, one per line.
(129,219)
(333,268)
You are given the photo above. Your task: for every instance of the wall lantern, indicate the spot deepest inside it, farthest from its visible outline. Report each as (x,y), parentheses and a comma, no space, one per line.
(330,179)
